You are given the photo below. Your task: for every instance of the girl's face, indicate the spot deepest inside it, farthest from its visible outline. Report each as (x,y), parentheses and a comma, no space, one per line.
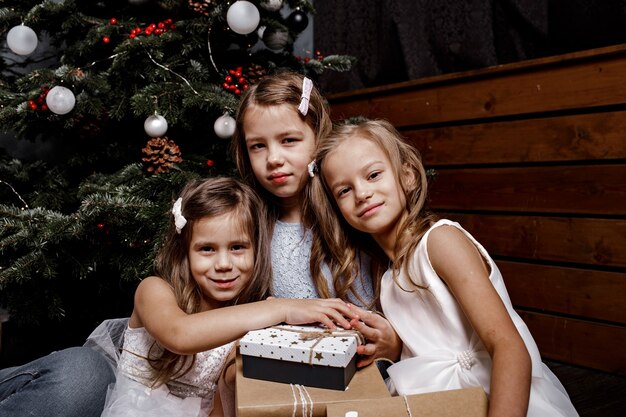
(221,258)
(280,146)
(364,185)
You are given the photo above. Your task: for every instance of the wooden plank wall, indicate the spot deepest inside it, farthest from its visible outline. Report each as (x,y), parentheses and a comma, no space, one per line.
(531,158)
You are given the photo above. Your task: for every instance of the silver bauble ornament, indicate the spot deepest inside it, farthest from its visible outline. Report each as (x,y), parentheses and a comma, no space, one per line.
(243,17)
(275,40)
(224,126)
(155,125)
(137,2)
(22,40)
(60,100)
(271,5)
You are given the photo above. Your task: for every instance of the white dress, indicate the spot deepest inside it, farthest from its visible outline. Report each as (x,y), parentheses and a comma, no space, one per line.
(441,349)
(191,395)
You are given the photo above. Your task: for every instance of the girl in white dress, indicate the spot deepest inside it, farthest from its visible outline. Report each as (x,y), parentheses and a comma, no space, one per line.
(443,293)
(212,269)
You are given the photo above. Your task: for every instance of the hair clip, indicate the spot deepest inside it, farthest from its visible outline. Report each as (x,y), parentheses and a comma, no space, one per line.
(312,168)
(307,86)
(179,219)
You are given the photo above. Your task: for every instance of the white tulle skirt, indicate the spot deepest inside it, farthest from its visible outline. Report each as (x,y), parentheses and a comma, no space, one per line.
(128,398)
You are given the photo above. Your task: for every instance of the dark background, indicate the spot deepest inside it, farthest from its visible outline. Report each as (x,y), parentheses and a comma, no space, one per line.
(399,40)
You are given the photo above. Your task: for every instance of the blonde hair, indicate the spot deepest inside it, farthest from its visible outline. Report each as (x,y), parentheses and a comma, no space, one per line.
(281,88)
(337,235)
(201,199)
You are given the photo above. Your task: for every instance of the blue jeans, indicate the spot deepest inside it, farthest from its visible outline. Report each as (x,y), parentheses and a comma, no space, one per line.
(70,383)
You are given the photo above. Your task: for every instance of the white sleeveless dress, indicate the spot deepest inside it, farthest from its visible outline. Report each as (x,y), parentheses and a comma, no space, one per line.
(441,349)
(191,395)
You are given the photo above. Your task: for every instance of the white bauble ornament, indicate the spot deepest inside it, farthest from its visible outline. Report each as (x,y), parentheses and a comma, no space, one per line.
(243,17)
(271,5)
(60,100)
(155,125)
(22,40)
(224,126)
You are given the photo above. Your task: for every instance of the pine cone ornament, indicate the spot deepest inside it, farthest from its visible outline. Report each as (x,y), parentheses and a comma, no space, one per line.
(161,155)
(255,72)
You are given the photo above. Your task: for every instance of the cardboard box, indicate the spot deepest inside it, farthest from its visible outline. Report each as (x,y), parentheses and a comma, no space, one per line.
(306,355)
(259,398)
(467,402)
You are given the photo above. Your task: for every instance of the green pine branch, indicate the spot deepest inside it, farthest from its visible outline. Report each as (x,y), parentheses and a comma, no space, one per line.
(89,216)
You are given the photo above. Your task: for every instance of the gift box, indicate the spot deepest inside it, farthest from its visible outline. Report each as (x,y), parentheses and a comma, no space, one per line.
(260,398)
(467,402)
(305,355)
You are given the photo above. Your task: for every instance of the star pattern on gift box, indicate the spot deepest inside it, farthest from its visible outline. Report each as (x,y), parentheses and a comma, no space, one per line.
(303,344)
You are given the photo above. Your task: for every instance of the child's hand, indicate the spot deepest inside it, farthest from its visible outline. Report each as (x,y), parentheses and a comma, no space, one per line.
(381,339)
(329,312)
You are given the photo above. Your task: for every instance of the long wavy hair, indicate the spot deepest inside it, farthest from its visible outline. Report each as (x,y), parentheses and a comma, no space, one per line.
(341,239)
(201,199)
(284,87)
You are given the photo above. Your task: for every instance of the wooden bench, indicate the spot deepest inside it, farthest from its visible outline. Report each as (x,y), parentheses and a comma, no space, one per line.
(531,158)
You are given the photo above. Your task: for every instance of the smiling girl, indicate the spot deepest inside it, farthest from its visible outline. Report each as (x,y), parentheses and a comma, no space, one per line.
(212,271)
(442,293)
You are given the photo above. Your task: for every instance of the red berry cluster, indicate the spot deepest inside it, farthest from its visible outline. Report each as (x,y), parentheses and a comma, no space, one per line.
(235,82)
(112,21)
(318,57)
(40,102)
(153,29)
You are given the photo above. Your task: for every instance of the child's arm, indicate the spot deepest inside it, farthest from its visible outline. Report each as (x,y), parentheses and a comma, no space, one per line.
(382,340)
(156,309)
(458,262)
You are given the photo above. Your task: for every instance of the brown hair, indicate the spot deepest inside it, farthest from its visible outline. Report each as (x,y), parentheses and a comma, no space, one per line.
(201,199)
(284,87)
(337,235)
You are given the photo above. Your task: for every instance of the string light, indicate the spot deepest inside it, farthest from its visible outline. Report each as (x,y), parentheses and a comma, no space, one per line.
(173,72)
(211,52)
(17,194)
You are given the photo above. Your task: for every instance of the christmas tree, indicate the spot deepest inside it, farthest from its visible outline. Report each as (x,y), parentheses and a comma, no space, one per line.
(136,98)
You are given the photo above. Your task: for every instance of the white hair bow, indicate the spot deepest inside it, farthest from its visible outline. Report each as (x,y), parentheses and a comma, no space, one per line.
(312,168)
(179,219)
(307,86)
